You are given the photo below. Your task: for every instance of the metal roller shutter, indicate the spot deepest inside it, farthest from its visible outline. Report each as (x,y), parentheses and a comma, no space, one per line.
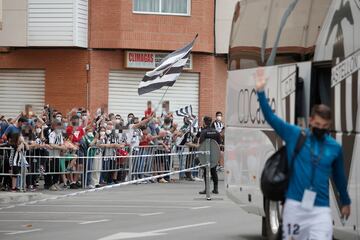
(20,87)
(124,98)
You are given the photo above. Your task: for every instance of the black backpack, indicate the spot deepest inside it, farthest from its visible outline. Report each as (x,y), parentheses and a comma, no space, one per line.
(276,173)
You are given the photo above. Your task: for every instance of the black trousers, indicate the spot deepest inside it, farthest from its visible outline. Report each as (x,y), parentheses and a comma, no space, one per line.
(213,174)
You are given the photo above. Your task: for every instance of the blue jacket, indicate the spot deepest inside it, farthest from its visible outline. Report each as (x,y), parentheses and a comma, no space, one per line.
(330,162)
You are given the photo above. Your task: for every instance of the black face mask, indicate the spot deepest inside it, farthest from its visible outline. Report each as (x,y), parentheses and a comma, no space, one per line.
(319,133)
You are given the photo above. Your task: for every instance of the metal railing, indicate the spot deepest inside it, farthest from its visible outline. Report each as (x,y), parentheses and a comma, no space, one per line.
(98,165)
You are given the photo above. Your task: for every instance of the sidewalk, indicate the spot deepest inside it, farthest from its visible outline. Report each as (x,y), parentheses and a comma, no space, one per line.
(20,197)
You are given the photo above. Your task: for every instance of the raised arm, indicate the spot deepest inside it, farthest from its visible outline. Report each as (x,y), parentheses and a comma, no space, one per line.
(285,130)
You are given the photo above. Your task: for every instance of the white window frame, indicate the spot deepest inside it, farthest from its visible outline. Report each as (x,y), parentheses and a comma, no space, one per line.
(188,14)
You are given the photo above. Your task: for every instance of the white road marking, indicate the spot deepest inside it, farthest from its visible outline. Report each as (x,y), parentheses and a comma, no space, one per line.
(81,199)
(203,207)
(183,227)
(53,221)
(98,221)
(150,214)
(117,206)
(128,235)
(84,213)
(25,231)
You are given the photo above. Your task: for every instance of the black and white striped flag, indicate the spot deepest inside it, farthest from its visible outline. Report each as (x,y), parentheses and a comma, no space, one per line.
(168,71)
(185,112)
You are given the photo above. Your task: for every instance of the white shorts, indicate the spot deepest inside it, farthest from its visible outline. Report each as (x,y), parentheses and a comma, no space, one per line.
(301,224)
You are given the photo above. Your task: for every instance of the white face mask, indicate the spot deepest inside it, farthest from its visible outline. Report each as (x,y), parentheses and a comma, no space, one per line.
(59,119)
(84,118)
(117,121)
(102,133)
(108,131)
(218,118)
(104,125)
(117,131)
(38,130)
(90,134)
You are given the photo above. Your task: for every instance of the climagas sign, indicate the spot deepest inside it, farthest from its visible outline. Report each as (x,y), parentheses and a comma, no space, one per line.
(148,60)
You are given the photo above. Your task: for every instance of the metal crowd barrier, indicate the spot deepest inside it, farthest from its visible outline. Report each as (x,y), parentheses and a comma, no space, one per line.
(98,165)
(105,163)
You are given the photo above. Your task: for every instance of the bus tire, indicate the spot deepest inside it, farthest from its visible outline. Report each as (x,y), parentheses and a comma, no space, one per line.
(272,219)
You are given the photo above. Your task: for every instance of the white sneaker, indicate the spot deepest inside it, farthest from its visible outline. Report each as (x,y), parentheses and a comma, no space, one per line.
(162,181)
(59,187)
(53,188)
(91,187)
(198,179)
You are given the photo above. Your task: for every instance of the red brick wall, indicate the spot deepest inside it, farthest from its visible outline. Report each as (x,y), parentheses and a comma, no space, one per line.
(65,76)
(114,25)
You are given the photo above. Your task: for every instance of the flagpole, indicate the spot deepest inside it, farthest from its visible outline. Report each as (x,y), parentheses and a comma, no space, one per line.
(162,98)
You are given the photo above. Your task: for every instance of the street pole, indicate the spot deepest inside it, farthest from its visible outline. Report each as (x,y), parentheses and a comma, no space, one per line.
(207,169)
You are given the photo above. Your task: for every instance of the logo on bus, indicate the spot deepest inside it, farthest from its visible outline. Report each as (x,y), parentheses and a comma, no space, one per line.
(249,108)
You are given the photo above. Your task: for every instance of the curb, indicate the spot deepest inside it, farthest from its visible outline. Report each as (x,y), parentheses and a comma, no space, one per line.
(19,197)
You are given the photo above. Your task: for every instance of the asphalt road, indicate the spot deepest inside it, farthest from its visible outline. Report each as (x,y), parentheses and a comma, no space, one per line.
(146,211)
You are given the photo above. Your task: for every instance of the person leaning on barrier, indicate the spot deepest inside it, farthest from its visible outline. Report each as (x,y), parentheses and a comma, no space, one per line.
(208,132)
(306,213)
(13,137)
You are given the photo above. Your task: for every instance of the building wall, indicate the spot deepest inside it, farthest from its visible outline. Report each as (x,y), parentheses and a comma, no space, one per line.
(13,32)
(212,82)
(114,25)
(65,73)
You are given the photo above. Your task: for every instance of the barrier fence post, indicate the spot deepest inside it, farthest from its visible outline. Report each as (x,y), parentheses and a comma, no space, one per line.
(130,161)
(23,174)
(207,169)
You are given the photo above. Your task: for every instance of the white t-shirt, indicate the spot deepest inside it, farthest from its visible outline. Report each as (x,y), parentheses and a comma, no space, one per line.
(55,138)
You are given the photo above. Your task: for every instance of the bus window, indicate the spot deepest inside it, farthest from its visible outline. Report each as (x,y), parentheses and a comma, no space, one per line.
(320,92)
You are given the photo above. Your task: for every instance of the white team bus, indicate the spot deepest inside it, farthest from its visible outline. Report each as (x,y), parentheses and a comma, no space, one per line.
(318,61)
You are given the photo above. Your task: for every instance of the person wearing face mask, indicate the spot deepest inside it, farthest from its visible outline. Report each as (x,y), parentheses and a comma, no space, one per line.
(320,159)
(57,144)
(101,142)
(130,119)
(218,123)
(75,132)
(85,144)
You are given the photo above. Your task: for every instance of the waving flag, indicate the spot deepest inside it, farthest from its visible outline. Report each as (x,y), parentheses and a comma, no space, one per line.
(185,112)
(168,71)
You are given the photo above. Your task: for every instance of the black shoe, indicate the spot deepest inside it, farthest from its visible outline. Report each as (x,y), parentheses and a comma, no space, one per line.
(202,192)
(78,184)
(73,186)
(215,191)
(97,186)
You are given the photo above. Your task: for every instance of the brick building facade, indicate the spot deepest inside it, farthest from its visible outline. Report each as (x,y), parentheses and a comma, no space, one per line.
(79,76)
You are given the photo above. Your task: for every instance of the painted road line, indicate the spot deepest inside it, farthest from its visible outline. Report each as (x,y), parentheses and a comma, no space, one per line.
(129,235)
(98,221)
(117,206)
(203,207)
(24,231)
(85,213)
(53,221)
(150,214)
(183,227)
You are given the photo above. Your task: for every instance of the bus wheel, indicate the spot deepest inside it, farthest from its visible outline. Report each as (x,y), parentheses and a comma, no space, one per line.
(273,219)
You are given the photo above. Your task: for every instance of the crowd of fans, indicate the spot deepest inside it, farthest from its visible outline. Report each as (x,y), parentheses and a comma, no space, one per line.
(64,141)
